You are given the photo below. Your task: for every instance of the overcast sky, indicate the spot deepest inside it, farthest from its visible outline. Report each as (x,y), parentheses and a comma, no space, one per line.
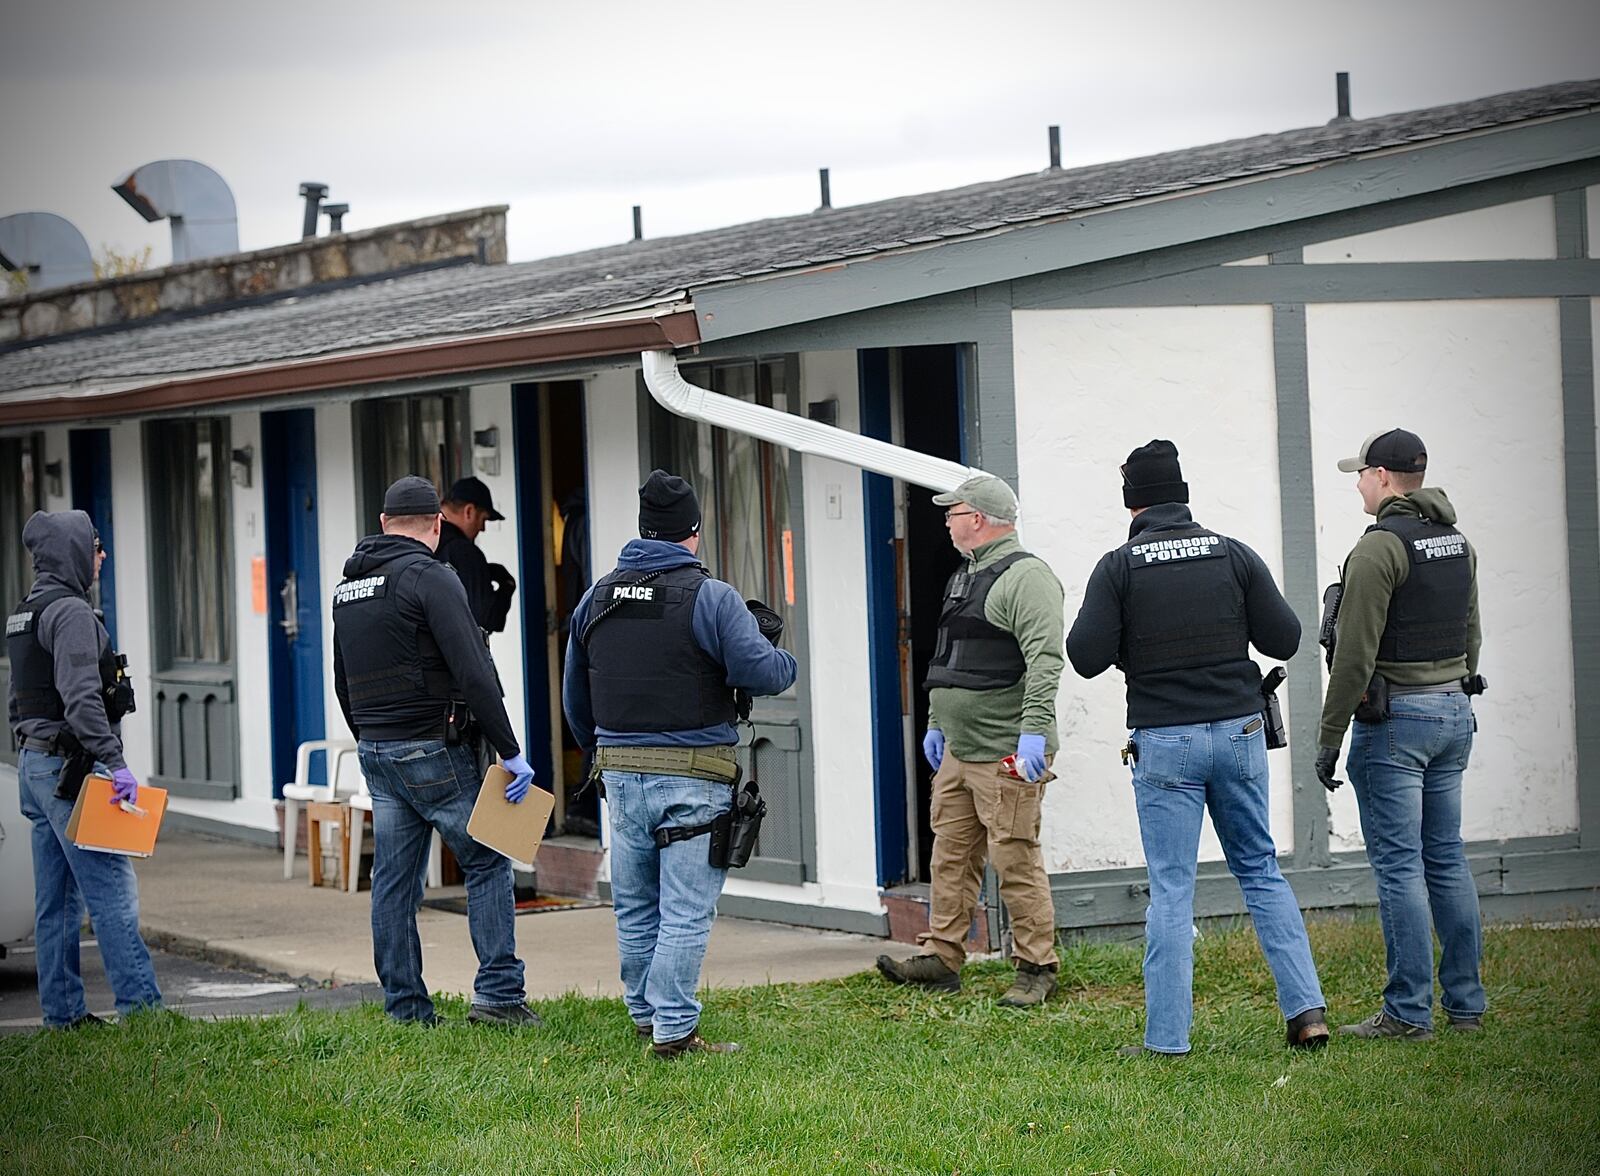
(707,114)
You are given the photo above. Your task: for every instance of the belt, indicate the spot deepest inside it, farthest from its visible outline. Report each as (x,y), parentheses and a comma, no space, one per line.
(48,746)
(1435,688)
(703,763)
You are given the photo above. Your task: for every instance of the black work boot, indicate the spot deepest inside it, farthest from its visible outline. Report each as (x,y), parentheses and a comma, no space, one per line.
(928,971)
(515,1016)
(1035,984)
(1309,1030)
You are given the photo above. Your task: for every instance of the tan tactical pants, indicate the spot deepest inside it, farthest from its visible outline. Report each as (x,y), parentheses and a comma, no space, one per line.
(979,811)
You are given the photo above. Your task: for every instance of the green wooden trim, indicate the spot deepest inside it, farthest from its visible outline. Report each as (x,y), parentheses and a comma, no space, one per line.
(1108,898)
(746,306)
(1583,513)
(1299,522)
(1347,282)
(991,408)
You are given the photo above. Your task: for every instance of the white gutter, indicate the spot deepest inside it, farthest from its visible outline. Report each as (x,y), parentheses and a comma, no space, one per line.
(677,395)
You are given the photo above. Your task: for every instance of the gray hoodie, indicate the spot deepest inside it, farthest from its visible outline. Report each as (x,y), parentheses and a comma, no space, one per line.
(62,546)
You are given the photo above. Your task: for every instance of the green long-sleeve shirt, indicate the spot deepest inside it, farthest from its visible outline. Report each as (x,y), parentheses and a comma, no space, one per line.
(1376,567)
(1026,601)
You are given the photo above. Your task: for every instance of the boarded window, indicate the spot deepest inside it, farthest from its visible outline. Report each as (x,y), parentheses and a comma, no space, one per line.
(189,539)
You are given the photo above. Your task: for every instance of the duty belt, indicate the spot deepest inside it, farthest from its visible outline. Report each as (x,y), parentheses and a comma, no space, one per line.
(1435,688)
(703,763)
(49,746)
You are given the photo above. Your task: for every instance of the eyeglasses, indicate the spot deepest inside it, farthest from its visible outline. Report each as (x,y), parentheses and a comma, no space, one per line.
(98,550)
(956,514)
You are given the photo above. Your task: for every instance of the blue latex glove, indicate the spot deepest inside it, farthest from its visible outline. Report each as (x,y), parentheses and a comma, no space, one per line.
(521,778)
(1030,755)
(124,787)
(933,747)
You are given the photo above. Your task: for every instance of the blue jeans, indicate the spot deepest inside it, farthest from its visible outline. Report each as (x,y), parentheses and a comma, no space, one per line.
(1406,772)
(665,899)
(1180,772)
(417,786)
(65,878)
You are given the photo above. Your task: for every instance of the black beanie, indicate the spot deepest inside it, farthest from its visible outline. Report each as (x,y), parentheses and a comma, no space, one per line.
(1151,476)
(668,508)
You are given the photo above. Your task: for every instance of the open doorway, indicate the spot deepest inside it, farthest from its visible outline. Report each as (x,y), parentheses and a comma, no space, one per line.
(552,490)
(911,396)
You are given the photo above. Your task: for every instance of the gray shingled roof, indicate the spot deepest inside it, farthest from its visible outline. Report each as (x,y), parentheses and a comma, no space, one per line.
(471,299)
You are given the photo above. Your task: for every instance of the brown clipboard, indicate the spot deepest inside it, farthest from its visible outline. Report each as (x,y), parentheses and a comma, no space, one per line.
(512,830)
(99,825)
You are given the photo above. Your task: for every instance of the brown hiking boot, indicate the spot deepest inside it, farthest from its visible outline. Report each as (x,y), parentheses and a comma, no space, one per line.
(928,971)
(1465,1024)
(1309,1030)
(693,1043)
(1383,1025)
(1035,984)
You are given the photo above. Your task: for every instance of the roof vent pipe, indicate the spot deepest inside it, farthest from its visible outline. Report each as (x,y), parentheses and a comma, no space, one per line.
(46,247)
(638,223)
(313,192)
(827,194)
(193,198)
(336,214)
(1055,148)
(1341,85)
(678,396)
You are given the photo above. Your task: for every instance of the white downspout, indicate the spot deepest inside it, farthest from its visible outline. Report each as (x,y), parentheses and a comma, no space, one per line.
(678,396)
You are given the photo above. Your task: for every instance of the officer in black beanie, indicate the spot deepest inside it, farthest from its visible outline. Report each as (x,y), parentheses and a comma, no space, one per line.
(657,651)
(1177,608)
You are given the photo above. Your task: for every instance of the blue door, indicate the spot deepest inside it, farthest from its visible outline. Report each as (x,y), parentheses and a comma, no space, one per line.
(89,457)
(294,587)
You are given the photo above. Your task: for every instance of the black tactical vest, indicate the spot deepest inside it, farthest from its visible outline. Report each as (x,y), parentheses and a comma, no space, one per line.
(1428,613)
(646,671)
(33,670)
(387,655)
(1184,605)
(971,653)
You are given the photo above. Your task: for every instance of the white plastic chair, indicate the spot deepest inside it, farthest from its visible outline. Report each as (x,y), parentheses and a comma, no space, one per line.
(361,802)
(301,790)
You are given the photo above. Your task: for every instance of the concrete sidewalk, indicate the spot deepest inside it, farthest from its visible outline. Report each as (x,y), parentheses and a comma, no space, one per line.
(229,902)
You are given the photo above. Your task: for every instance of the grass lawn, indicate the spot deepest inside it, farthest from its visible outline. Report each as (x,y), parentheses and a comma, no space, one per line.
(848,1076)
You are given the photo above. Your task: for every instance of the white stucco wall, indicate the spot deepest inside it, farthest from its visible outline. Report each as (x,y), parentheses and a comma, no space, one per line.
(1091,386)
(501,543)
(134,622)
(1481,383)
(1525,229)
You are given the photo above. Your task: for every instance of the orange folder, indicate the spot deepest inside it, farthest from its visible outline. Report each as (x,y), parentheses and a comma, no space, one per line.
(99,825)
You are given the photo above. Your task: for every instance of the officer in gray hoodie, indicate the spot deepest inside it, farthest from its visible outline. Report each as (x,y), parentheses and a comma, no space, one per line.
(66,700)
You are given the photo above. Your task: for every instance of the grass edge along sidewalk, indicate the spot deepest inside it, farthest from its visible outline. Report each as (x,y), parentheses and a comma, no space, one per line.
(849,1076)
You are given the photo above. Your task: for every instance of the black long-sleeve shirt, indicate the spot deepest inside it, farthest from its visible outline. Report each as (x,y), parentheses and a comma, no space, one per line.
(1170,698)
(490,602)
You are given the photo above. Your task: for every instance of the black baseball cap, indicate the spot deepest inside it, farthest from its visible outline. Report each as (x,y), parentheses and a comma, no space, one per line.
(1396,450)
(472,490)
(411,495)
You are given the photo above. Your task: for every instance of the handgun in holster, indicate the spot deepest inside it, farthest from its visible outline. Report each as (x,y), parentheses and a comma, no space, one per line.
(1374,704)
(734,833)
(1328,631)
(1271,712)
(77,762)
(459,725)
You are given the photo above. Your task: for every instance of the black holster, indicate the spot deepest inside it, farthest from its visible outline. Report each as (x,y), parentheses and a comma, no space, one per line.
(1327,632)
(459,725)
(1271,712)
(77,762)
(1374,704)
(734,834)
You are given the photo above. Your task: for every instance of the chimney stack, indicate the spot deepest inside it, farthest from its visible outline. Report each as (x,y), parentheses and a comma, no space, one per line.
(827,195)
(1055,148)
(638,223)
(1341,83)
(313,193)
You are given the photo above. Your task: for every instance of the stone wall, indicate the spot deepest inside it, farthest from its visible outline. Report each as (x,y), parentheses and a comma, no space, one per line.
(477,234)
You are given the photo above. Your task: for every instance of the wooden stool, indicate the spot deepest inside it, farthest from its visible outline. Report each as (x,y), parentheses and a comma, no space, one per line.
(318,813)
